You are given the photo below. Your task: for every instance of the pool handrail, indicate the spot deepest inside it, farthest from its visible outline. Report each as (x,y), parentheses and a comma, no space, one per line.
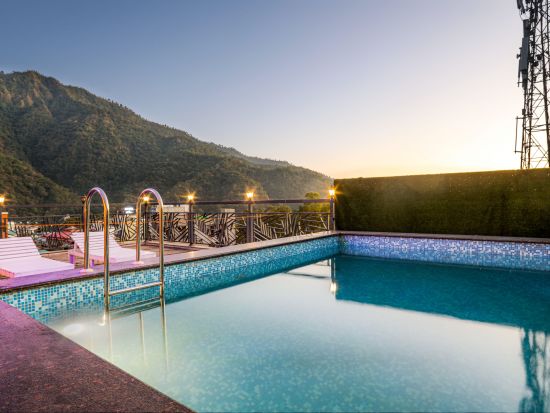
(106,220)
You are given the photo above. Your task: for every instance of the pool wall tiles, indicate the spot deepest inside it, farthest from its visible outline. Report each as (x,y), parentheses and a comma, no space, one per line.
(513,255)
(194,277)
(185,279)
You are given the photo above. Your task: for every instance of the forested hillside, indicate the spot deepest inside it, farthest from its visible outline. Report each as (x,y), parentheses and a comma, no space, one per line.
(57,141)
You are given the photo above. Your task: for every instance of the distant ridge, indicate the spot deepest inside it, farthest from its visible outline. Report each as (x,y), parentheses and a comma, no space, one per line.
(61,140)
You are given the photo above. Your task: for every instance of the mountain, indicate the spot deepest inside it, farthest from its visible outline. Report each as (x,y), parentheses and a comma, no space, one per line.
(58,141)
(252,159)
(24,185)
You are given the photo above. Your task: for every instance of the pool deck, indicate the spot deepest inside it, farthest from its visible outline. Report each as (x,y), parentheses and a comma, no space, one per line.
(170,248)
(42,371)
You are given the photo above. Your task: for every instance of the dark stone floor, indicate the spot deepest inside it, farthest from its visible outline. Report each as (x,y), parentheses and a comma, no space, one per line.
(40,370)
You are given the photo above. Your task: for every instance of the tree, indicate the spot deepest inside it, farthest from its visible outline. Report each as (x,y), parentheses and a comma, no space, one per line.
(314,207)
(278,208)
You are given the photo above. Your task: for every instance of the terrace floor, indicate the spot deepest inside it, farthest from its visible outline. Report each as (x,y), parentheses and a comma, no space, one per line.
(170,248)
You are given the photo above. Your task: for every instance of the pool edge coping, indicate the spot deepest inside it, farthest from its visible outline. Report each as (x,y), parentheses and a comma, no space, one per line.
(490,238)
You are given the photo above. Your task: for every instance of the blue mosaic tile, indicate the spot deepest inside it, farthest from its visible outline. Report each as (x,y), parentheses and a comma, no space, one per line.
(513,255)
(181,280)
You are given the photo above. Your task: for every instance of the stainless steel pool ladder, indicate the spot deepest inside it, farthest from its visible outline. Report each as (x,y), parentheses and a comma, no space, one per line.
(107,293)
(143,197)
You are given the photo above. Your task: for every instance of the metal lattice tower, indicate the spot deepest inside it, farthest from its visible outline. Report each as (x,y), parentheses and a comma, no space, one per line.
(533,76)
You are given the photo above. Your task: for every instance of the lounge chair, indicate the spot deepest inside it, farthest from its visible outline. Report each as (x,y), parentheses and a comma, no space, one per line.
(19,257)
(116,252)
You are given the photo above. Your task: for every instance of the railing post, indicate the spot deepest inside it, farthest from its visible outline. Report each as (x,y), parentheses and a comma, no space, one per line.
(145,220)
(250,221)
(83,212)
(332,218)
(191,222)
(2,230)
(3,223)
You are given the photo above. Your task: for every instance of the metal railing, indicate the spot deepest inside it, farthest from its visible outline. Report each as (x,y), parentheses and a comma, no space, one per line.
(213,229)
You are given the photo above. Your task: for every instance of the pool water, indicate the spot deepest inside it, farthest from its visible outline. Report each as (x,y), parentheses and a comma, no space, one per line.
(344,334)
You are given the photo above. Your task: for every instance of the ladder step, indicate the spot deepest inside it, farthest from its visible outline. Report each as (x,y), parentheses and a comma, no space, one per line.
(137,307)
(138,287)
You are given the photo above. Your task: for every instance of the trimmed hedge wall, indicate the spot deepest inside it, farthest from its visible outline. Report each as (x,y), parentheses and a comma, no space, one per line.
(506,203)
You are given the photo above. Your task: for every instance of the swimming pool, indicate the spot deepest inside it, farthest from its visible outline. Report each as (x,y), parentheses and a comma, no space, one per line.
(314,327)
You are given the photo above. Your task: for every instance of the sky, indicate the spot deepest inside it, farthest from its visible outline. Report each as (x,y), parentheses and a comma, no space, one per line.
(348,88)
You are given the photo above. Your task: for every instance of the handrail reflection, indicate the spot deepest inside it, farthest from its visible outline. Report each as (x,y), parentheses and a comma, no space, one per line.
(108,321)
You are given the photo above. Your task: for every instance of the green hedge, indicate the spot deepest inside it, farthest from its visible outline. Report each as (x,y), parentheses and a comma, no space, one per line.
(506,203)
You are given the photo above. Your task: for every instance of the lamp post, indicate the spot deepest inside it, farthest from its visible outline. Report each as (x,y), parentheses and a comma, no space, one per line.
(191,219)
(2,228)
(249,217)
(332,221)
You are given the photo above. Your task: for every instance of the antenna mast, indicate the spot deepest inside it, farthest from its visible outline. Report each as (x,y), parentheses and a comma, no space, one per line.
(533,73)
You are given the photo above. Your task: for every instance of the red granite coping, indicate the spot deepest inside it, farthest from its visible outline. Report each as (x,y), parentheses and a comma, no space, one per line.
(42,371)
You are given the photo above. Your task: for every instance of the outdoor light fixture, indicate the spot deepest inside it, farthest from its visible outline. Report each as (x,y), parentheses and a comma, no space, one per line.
(190,198)
(332,192)
(2,200)
(250,196)
(146,198)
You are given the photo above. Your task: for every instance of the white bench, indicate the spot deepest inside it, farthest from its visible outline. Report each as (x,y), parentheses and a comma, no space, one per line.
(116,252)
(19,257)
